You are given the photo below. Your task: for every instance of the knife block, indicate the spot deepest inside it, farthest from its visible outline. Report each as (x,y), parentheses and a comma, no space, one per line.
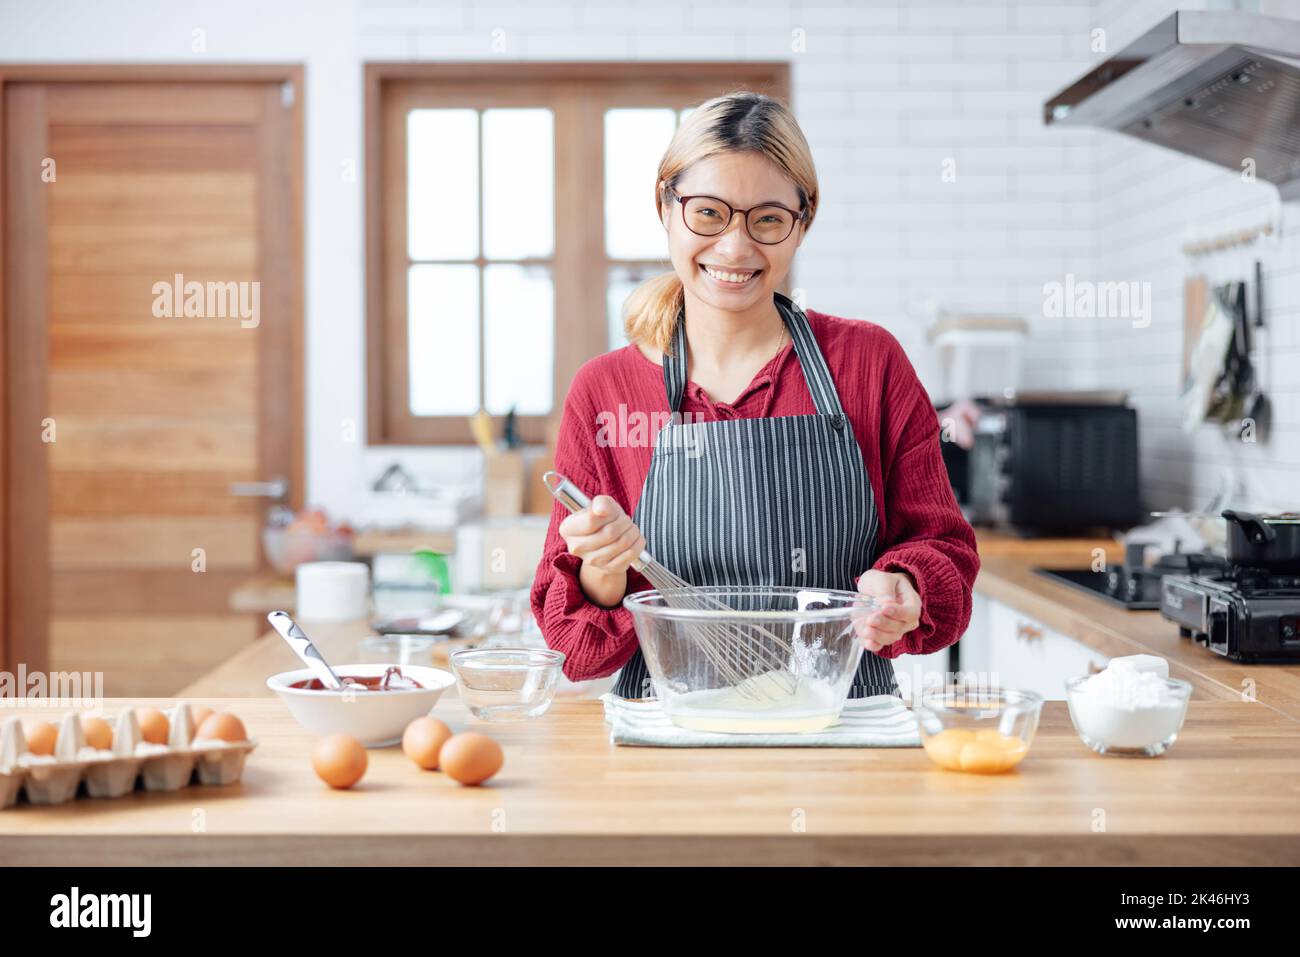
(503,484)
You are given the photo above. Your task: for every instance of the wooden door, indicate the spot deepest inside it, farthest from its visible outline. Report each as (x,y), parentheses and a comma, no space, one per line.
(152,286)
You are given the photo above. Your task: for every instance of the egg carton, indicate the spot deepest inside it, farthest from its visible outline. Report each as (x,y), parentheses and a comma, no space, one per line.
(109,773)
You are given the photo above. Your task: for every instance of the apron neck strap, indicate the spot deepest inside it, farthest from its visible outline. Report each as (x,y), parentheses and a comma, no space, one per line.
(815,371)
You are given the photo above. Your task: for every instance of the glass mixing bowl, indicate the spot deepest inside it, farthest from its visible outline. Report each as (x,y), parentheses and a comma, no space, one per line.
(757,660)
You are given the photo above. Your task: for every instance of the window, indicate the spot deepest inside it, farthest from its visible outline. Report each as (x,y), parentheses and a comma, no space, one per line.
(510,211)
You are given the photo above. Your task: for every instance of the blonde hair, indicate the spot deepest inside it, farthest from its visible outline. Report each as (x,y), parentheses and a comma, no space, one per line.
(741,121)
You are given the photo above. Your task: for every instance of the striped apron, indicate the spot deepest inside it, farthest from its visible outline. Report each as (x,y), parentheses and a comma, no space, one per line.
(783,500)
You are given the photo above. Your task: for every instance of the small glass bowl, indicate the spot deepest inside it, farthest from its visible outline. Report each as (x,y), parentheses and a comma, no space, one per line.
(395,649)
(1127,732)
(977,729)
(507,684)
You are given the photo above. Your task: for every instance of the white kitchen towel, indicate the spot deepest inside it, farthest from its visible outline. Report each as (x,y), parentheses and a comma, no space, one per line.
(881,721)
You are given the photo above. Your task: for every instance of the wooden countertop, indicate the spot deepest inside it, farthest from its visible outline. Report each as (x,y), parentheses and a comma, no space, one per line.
(1007,575)
(1223,795)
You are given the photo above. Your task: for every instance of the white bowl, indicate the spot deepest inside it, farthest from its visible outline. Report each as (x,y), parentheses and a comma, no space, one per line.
(375,718)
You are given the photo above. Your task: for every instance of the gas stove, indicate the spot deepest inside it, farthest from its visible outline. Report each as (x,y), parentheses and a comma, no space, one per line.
(1245,614)
(1136,585)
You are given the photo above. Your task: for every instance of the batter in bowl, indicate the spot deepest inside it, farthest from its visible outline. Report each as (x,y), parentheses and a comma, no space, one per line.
(776,708)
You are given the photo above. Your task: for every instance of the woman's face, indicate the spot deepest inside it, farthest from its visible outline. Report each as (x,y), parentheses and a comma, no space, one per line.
(743,180)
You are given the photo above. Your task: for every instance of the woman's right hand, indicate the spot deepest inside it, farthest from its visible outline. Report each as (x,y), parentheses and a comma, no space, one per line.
(608,542)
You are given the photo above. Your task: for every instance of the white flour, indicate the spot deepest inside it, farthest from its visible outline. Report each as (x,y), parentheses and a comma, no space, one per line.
(1127,706)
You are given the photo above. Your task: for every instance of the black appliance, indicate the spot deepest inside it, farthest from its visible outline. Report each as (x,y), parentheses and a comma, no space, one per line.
(1249,615)
(1051,463)
(1250,610)
(1135,585)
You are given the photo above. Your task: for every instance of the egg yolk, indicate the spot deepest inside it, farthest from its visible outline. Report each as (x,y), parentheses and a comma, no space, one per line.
(982,752)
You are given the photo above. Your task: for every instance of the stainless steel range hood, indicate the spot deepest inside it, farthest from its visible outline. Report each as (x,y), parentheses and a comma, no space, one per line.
(1221,85)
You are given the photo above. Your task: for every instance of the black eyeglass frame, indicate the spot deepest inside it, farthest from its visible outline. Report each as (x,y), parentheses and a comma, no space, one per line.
(799,216)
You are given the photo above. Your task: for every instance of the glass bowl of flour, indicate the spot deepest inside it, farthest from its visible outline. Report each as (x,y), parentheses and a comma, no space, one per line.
(1124,710)
(750,660)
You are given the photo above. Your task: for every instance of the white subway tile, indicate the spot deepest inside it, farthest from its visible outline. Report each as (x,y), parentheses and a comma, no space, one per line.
(1012,47)
(901,46)
(971,15)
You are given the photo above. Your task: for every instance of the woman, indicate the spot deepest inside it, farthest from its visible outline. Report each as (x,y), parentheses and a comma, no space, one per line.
(803,448)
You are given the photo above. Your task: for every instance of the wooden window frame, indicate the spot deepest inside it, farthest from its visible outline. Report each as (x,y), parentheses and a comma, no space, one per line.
(579,93)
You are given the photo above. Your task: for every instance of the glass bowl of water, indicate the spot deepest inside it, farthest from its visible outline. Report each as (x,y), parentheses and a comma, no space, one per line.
(507,684)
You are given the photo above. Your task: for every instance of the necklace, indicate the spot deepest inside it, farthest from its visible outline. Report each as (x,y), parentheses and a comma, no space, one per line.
(780,345)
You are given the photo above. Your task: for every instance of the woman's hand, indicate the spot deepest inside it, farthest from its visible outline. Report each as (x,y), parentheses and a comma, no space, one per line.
(898,611)
(607,541)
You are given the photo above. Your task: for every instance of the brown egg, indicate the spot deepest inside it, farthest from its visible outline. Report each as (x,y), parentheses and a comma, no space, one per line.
(98,732)
(423,740)
(154,725)
(41,736)
(222,726)
(339,760)
(471,758)
(198,714)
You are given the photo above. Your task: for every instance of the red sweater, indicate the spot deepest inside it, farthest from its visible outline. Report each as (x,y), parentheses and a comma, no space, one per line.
(922,530)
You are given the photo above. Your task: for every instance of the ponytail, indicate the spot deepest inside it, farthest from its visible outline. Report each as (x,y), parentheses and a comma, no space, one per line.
(651,311)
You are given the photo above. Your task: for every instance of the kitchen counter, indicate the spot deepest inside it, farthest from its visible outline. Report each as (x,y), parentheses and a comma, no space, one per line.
(1007,575)
(1223,795)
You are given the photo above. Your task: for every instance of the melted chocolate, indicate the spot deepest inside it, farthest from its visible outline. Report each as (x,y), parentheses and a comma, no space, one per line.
(391,680)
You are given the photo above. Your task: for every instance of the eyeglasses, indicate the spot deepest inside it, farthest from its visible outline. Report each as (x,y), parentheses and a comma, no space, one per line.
(709,216)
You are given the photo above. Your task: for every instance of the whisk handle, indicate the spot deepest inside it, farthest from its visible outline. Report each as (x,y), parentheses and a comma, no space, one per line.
(575,500)
(565,492)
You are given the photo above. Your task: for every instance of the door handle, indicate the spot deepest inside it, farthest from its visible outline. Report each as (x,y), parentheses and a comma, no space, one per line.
(277,489)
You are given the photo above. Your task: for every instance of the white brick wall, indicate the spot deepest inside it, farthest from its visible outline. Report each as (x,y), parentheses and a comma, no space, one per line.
(887,90)
(1149,201)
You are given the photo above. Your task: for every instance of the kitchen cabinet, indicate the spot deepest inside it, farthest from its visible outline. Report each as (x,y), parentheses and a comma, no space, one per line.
(1006,647)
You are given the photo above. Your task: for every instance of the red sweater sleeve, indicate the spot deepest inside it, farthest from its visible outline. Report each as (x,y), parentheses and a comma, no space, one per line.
(923,531)
(596,641)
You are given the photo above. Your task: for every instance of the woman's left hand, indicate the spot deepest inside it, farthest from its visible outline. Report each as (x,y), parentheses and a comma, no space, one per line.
(899,608)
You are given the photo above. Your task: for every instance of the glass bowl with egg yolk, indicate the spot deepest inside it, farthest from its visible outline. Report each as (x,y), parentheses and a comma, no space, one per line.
(977,729)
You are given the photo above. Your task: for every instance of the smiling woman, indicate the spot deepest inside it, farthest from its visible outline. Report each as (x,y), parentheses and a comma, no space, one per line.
(801,449)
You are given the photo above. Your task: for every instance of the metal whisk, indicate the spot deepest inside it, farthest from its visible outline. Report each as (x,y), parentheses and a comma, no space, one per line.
(738,651)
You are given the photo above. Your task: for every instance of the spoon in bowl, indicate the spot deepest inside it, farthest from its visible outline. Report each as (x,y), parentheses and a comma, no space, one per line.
(297,639)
